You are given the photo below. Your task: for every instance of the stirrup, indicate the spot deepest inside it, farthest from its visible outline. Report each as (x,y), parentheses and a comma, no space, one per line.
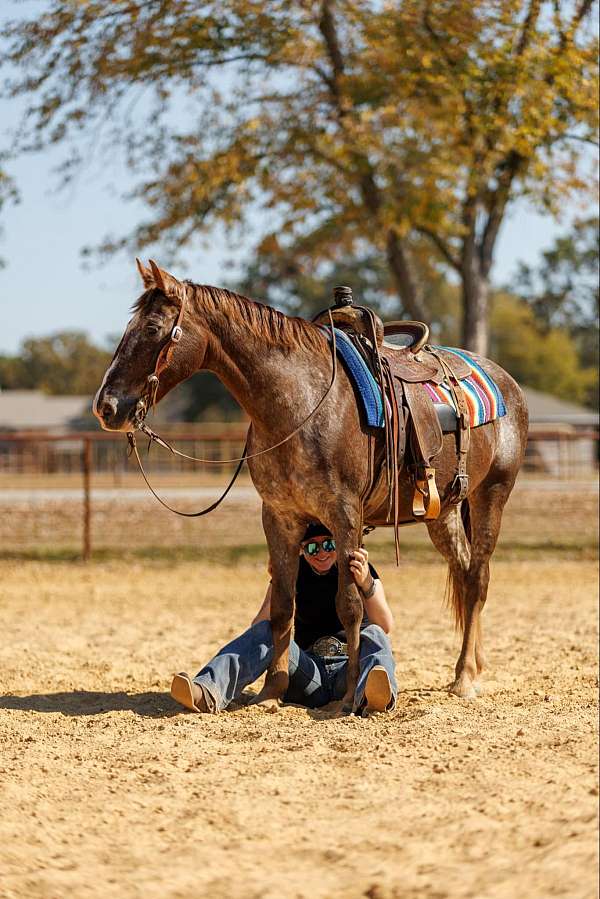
(426,499)
(459,488)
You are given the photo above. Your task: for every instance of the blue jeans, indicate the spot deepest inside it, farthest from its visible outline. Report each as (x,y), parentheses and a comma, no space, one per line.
(314,681)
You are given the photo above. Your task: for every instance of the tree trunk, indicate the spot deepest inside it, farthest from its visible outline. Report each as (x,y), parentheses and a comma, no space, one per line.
(475,325)
(406,285)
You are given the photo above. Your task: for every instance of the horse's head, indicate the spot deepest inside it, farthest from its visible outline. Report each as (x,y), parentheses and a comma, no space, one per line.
(158,341)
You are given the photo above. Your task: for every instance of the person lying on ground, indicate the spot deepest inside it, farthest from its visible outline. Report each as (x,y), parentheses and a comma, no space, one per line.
(318,653)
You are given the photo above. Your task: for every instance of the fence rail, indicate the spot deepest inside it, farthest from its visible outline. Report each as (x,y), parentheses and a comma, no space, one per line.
(96,452)
(26,457)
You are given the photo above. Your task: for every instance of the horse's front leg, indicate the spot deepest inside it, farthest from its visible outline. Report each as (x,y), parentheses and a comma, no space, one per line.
(348,604)
(284,535)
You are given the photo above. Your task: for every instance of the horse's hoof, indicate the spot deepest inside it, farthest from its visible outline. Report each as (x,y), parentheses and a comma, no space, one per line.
(336,709)
(268,702)
(463,687)
(478,687)
(342,709)
(270,705)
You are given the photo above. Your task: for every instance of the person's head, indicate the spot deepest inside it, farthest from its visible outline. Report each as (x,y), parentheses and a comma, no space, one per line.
(318,548)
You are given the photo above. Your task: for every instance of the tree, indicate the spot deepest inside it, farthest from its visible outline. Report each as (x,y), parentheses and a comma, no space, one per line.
(63,363)
(358,126)
(563,290)
(7,192)
(543,358)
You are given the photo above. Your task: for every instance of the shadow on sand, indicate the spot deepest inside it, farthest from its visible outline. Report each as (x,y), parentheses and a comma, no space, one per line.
(78,703)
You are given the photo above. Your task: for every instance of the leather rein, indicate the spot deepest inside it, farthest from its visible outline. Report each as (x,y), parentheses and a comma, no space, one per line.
(148,400)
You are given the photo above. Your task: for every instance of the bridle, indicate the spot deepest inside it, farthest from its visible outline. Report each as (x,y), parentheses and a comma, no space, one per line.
(147,401)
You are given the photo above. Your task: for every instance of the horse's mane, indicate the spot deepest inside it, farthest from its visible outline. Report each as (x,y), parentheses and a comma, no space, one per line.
(268,324)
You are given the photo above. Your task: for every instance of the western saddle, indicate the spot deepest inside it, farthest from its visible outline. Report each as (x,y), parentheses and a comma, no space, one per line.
(401,360)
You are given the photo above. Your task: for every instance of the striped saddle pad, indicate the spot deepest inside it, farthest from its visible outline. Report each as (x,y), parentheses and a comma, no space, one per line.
(484,397)
(482,393)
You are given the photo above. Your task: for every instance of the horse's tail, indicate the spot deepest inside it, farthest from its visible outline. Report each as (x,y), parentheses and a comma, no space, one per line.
(453,594)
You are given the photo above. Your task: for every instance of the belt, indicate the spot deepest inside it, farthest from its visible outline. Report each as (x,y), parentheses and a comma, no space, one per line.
(328,647)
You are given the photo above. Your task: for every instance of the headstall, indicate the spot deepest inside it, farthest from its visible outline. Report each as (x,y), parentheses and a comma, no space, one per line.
(148,400)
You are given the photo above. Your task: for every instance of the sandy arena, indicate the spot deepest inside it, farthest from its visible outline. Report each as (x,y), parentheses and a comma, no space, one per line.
(107,789)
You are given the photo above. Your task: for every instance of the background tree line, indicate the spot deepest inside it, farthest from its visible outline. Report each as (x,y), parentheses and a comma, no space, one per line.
(543,329)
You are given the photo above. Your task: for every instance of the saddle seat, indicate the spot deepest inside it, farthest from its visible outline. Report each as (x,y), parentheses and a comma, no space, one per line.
(402,343)
(411,359)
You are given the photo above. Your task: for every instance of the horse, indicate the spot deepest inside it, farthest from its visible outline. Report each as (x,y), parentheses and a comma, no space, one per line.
(279,369)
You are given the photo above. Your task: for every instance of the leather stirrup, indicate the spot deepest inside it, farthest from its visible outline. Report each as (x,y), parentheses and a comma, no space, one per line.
(426,499)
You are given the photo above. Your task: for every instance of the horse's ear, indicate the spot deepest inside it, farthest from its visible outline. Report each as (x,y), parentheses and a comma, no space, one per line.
(169,284)
(145,274)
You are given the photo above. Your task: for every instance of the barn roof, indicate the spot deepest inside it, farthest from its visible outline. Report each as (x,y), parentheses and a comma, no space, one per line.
(544,408)
(32,410)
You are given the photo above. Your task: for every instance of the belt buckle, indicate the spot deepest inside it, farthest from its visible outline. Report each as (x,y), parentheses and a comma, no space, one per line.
(328,647)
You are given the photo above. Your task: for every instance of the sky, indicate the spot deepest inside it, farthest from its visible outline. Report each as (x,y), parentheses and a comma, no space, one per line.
(45,287)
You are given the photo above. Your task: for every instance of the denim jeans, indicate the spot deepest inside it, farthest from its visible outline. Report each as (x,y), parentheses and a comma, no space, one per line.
(314,681)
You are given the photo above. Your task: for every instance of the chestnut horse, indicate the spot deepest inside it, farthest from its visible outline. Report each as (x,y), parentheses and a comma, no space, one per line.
(278,369)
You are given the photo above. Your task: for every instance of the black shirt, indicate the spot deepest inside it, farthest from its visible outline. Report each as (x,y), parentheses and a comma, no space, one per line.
(316,615)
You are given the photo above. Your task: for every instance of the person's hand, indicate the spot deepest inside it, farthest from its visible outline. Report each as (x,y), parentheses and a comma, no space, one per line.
(359,566)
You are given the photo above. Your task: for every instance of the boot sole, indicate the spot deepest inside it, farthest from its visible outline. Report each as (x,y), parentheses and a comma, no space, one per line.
(181,691)
(378,690)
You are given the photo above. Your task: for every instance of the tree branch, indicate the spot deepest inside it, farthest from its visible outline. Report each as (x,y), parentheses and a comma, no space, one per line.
(469,221)
(509,170)
(528,26)
(578,137)
(442,246)
(329,32)
(405,283)
(581,12)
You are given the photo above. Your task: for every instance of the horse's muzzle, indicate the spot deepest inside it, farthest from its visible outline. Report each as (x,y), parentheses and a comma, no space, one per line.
(115,413)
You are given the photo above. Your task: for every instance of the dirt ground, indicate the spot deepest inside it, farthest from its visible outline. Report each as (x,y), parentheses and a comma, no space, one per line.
(107,789)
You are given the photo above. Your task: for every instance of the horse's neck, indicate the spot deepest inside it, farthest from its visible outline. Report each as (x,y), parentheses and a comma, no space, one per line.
(263,377)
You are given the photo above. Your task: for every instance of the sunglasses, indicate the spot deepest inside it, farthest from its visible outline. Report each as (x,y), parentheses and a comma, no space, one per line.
(313,547)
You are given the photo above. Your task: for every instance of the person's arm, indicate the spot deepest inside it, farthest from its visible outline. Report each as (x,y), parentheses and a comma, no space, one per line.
(371,591)
(264,613)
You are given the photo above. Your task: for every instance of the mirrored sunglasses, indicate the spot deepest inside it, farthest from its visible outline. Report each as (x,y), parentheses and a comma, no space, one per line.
(313,547)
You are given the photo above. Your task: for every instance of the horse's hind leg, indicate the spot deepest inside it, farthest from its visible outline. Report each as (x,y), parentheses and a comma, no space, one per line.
(486,505)
(449,537)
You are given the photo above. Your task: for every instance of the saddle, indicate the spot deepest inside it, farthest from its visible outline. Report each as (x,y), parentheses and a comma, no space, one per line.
(401,360)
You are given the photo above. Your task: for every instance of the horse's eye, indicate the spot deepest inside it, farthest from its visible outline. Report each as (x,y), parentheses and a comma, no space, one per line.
(153,329)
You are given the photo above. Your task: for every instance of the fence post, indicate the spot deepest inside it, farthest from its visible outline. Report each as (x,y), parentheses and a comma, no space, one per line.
(86,464)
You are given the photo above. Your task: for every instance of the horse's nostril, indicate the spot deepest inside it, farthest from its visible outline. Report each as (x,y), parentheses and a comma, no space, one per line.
(108,409)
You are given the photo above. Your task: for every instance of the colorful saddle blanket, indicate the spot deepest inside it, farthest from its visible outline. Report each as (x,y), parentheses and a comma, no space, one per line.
(483,395)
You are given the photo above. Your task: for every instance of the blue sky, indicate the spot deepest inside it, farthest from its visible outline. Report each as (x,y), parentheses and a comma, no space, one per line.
(44,287)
